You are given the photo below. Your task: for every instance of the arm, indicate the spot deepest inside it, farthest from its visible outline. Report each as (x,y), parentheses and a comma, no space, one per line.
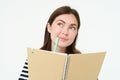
(24,73)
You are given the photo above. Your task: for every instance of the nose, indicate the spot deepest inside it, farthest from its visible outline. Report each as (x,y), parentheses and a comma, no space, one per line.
(65,31)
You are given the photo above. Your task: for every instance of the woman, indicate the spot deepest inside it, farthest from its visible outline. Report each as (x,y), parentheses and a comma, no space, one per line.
(63,24)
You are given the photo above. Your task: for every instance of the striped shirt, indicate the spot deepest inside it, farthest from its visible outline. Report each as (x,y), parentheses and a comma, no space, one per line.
(24,73)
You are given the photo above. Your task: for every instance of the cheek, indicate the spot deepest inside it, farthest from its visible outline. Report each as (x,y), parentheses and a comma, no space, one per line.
(72,37)
(54,33)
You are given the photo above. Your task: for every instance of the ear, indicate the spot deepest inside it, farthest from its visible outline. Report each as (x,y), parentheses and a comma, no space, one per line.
(48,27)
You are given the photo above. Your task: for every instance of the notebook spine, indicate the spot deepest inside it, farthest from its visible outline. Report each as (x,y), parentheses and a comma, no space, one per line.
(65,68)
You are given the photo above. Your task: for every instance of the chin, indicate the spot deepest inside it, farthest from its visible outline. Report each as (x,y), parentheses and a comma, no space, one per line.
(63,46)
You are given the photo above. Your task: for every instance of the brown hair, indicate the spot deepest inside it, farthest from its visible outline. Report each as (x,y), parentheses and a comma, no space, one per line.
(47,41)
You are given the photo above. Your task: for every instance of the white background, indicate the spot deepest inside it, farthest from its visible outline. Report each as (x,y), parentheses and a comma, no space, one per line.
(22,24)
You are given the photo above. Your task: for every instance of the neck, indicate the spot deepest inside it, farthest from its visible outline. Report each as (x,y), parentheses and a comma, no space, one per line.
(62,50)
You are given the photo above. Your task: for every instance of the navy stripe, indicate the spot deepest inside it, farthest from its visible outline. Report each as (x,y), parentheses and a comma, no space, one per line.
(25,67)
(26,63)
(24,71)
(22,79)
(24,75)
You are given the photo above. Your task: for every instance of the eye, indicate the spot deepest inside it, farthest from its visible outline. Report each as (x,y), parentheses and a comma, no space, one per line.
(60,24)
(72,28)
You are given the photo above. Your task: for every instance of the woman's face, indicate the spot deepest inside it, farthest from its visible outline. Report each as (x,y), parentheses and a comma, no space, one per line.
(65,27)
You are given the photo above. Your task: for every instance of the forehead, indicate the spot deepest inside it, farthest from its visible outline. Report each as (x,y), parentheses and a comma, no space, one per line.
(68,18)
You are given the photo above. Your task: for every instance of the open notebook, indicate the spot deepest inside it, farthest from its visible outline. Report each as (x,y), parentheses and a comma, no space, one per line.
(48,65)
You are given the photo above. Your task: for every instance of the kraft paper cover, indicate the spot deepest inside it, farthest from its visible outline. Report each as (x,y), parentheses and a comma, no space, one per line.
(48,65)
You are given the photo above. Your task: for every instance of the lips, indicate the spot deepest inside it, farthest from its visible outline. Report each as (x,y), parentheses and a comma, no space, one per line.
(63,39)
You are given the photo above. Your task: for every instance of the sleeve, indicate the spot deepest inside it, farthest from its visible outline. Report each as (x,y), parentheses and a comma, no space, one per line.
(24,72)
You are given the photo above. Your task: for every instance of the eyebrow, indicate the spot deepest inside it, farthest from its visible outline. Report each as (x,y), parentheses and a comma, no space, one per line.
(61,21)
(70,24)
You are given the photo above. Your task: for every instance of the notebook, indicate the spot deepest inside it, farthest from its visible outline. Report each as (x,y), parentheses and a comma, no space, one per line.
(49,65)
